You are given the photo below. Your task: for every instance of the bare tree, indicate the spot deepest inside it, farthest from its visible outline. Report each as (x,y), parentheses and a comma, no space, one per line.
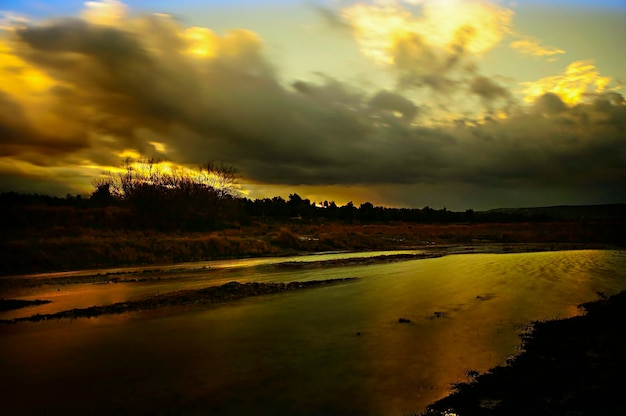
(224,179)
(165,195)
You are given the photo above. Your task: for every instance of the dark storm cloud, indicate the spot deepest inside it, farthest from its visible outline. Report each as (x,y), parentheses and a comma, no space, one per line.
(385,100)
(107,67)
(569,146)
(18,135)
(488,89)
(550,103)
(418,64)
(125,88)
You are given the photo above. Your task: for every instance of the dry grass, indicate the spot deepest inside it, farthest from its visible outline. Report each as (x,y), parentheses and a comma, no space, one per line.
(65,247)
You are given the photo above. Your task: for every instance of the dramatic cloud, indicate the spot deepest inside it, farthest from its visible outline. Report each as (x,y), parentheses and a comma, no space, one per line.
(433,49)
(395,103)
(488,89)
(580,78)
(449,26)
(83,92)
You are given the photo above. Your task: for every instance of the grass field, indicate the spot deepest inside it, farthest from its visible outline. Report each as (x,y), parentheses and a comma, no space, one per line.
(58,248)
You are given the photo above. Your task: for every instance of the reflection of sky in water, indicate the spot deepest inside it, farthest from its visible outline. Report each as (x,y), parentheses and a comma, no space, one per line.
(196,276)
(298,353)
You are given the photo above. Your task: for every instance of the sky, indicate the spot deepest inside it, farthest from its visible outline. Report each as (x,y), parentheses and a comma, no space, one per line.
(457,104)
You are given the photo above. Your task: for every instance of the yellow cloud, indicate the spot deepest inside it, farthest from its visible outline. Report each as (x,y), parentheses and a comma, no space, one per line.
(129,154)
(443,25)
(531,46)
(579,78)
(32,90)
(18,77)
(204,43)
(159,146)
(74,114)
(377,27)
(105,12)
(240,42)
(200,41)
(80,174)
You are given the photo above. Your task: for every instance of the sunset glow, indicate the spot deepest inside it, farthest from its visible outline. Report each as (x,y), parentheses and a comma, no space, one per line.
(446,26)
(457,103)
(580,79)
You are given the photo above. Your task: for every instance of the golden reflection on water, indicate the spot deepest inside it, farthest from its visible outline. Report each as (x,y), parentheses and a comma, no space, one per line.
(70,297)
(475,308)
(299,353)
(194,275)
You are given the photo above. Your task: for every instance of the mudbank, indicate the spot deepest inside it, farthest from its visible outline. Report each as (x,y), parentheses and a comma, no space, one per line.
(8,304)
(574,366)
(218,294)
(357,261)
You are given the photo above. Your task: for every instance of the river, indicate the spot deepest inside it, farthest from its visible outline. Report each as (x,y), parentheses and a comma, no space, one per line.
(337,350)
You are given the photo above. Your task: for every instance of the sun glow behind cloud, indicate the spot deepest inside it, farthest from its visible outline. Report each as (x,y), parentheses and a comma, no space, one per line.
(84,92)
(18,77)
(105,12)
(580,78)
(445,25)
(201,41)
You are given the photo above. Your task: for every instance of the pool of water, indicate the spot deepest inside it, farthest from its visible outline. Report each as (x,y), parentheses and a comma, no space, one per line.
(322,351)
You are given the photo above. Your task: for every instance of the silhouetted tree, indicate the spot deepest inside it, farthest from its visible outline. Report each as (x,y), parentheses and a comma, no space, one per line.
(164,197)
(102,195)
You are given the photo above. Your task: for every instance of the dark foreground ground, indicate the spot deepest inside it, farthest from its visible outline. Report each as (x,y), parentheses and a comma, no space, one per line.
(573,367)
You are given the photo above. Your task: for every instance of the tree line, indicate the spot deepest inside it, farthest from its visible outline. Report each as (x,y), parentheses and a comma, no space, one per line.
(147,194)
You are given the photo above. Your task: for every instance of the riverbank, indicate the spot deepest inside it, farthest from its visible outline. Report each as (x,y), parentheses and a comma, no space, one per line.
(57,249)
(173,271)
(147,273)
(218,294)
(574,366)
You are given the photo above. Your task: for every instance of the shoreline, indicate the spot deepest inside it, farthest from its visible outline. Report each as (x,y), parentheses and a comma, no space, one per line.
(59,249)
(572,366)
(143,273)
(212,295)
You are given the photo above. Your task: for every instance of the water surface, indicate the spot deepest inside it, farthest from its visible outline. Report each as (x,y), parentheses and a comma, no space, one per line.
(299,352)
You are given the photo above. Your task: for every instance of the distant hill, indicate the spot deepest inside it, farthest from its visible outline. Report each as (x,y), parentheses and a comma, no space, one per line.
(607,212)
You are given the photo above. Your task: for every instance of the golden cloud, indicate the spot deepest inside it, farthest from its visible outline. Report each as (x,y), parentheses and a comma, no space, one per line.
(533,47)
(78,94)
(205,43)
(86,90)
(20,79)
(104,12)
(477,26)
(578,79)
(201,41)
